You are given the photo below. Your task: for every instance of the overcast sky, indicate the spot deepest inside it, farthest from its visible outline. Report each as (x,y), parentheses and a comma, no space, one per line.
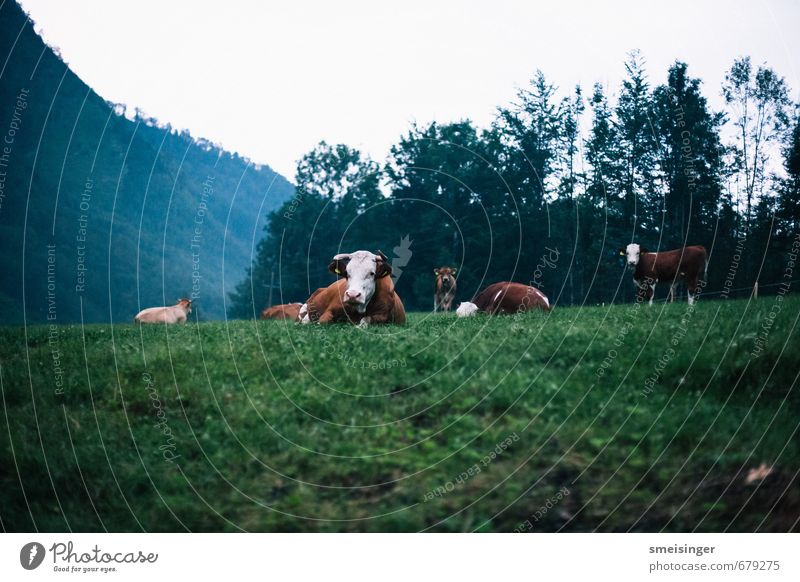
(270,80)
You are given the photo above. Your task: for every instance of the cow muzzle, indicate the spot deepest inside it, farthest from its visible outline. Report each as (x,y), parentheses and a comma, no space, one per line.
(353,296)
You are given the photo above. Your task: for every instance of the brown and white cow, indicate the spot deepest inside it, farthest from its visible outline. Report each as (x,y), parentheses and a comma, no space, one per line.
(505,298)
(445,288)
(286,311)
(363,295)
(177,313)
(649,268)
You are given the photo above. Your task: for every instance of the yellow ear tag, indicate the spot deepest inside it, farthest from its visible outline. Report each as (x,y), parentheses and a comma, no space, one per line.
(338,272)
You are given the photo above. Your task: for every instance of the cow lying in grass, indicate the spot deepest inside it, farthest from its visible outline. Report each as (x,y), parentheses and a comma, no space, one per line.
(363,295)
(177,313)
(505,298)
(288,311)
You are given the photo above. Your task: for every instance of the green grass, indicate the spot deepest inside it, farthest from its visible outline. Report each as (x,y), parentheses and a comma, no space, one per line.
(303,428)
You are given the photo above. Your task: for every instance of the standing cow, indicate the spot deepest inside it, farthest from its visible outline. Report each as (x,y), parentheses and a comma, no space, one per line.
(177,313)
(445,288)
(505,298)
(649,268)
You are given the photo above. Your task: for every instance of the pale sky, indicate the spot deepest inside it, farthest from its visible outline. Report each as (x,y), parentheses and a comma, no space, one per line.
(270,80)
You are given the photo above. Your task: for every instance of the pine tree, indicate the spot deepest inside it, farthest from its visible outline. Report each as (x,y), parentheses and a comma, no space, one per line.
(563,211)
(690,159)
(643,200)
(531,128)
(602,223)
(569,116)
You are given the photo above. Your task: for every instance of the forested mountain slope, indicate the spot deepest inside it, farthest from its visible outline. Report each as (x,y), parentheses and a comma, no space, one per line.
(102,212)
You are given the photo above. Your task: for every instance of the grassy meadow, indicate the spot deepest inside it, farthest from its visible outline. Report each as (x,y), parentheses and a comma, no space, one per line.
(600,418)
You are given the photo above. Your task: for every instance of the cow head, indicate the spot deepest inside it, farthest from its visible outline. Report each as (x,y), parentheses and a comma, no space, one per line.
(445,278)
(632,253)
(466,309)
(303,316)
(361,269)
(186,304)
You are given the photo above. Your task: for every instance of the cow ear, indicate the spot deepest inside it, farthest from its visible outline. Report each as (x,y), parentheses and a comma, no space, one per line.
(643,250)
(453,271)
(382,269)
(436,271)
(338,265)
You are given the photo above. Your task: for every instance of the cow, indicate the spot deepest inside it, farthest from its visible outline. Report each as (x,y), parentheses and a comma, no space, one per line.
(289,311)
(505,298)
(668,266)
(364,294)
(177,313)
(445,288)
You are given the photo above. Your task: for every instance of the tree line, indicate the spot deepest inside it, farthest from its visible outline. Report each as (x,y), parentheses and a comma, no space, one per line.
(551,189)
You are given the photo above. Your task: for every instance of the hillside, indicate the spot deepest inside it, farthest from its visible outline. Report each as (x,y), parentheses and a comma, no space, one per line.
(100,214)
(609,419)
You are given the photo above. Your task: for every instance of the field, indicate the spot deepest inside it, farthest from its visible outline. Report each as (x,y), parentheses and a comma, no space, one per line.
(601,418)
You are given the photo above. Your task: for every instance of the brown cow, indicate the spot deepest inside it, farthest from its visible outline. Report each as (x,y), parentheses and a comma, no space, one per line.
(505,298)
(445,288)
(364,295)
(669,266)
(286,311)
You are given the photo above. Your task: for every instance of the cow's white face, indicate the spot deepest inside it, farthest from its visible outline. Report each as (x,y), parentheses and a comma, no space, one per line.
(466,309)
(302,317)
(362,269)
(632,252)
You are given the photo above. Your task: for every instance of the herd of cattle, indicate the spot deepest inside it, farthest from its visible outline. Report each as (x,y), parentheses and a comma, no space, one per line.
(364,293)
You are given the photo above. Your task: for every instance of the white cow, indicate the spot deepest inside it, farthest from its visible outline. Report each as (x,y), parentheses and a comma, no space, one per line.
(175,314)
